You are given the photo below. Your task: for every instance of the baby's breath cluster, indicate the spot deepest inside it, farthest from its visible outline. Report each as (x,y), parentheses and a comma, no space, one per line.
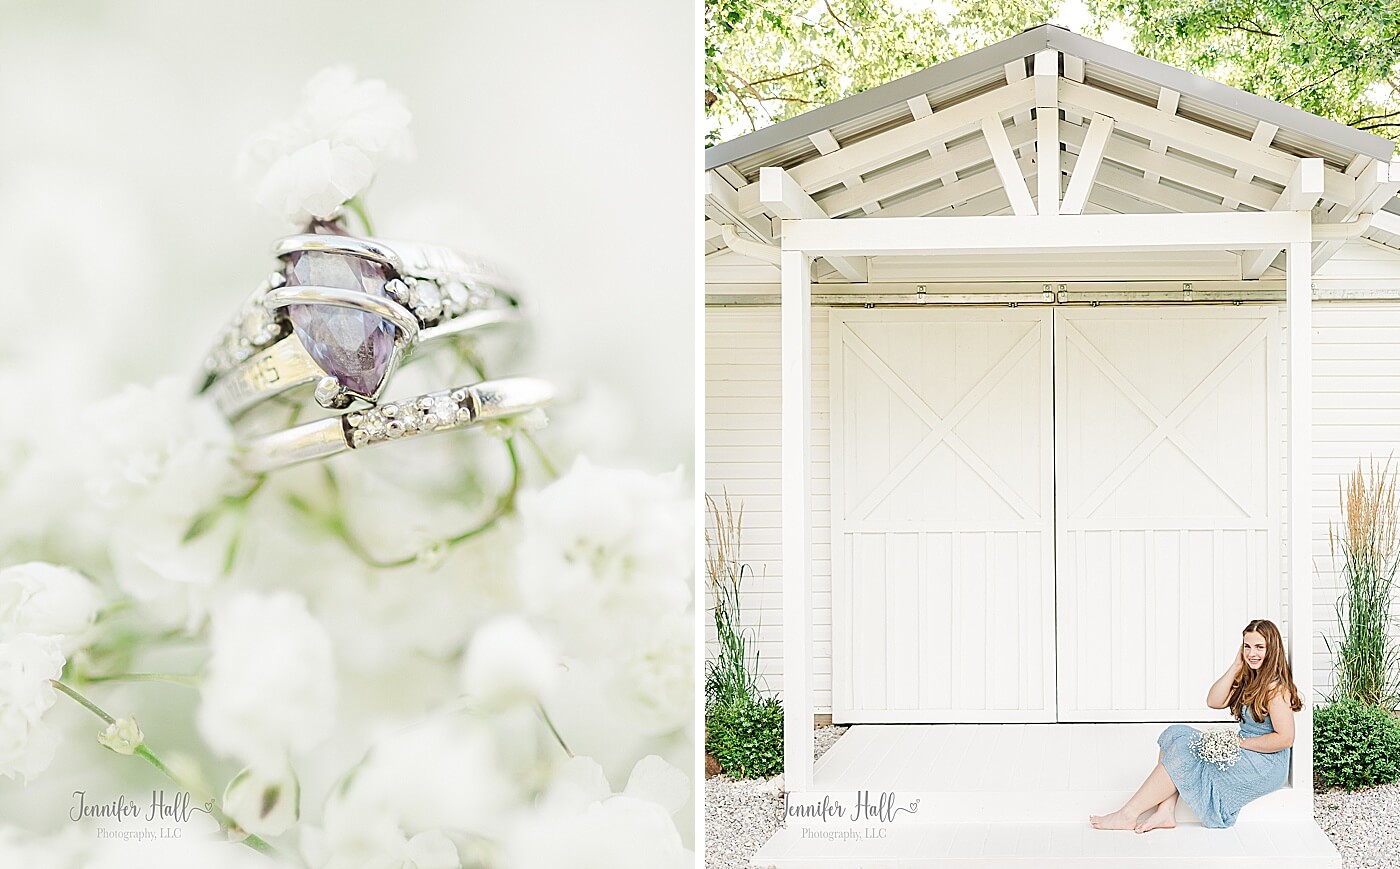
(1218,746)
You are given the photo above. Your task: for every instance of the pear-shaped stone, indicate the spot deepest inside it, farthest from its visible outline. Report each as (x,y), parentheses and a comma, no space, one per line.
(352,346)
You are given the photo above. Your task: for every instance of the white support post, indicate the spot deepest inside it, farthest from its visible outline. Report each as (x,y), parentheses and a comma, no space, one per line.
(1005,161)
(1087,167)
(1047,131)
(798,725)
(1298,302)
(780,192)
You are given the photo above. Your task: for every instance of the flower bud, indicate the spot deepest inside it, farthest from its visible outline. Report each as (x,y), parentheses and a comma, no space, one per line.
(122,736)
(262,803)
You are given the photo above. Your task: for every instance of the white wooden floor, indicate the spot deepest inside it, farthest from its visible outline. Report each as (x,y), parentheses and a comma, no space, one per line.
(995,795)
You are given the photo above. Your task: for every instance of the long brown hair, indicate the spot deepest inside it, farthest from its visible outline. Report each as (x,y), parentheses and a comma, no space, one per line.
(1251,687)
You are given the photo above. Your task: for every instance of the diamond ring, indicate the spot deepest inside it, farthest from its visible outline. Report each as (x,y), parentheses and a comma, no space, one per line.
(343,313)
(434,412)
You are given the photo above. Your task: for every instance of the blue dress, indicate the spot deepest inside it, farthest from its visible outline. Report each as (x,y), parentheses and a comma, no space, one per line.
(1216,795)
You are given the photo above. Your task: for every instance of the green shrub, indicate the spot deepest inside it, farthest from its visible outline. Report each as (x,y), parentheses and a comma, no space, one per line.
(1355,745)
(747,737)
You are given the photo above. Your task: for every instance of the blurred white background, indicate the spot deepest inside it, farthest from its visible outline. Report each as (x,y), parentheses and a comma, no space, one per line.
(555,138)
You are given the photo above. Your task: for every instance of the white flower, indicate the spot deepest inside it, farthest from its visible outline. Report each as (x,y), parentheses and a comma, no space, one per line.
(160,451)
(264,803)
(27,663)
(507,663)
(579,824)
(327,154)
(66,849)
(314,181)
(48,600)
(270,685)
(362,114)
(604,547)
(417,787)
(123,736)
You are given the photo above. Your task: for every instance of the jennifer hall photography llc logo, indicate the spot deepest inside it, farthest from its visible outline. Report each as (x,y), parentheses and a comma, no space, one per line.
(119,818)
(847,818)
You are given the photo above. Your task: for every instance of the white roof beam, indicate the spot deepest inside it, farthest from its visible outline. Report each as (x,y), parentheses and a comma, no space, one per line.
(923,236)
(919,107)
(1074,71)
(1302,193)
(1264,133)
(1005,161)
(725,201)
(1376,184)
(966,190)
(1167,101)
(785,196)
(1047,131)
(1015,71)
(1218,145)
(1087,166)
(825,143)
(888,147)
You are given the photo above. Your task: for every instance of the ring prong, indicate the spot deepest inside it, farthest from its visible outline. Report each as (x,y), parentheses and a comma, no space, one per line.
(331,395)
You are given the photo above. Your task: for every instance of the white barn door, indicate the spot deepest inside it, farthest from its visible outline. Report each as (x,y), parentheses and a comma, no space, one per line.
(1167,449)
(942,515)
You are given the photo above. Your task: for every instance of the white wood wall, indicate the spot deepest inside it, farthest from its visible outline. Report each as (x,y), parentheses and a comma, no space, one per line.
(1356,397)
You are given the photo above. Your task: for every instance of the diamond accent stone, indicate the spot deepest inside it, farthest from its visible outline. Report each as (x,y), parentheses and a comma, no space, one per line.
(456,297)
(426,300)
(354,347)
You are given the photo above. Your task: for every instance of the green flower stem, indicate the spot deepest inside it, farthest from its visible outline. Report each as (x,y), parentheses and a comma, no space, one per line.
(553,730)
(358,207)
(142,751)
(540,454)
(335,523)
(173,678)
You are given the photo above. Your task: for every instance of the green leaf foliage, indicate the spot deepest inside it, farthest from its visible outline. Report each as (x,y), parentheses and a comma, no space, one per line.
(1335,58)
(746,737)
(767,60)
(1355,745)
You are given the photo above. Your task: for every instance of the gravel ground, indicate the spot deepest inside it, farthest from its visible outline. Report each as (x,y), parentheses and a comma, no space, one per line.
(741,815)
(1365,826)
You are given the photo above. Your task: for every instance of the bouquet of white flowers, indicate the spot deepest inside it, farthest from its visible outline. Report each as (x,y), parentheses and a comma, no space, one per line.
(1219,746)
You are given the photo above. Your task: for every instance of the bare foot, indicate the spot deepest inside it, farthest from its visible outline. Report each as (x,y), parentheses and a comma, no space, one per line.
(1119,820)
(1159,819)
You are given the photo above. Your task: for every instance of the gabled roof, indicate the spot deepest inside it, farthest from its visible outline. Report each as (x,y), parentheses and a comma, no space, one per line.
(928,144)
(1300,132)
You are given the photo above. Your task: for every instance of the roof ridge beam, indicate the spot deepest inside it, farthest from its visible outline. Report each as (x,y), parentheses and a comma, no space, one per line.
(780,192)
(1047,131)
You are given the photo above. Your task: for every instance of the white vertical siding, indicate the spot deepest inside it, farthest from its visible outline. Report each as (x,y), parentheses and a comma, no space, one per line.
(1356,398)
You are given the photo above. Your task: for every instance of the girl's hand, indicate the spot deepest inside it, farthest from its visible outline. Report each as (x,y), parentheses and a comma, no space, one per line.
(1238,665)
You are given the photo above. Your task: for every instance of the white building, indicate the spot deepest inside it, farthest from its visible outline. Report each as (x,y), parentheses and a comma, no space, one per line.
(1016,447)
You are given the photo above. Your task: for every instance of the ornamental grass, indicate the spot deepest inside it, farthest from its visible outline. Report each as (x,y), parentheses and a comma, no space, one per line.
(1366,655)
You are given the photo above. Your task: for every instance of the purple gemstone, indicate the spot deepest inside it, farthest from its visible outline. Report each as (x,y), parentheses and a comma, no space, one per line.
(352,346)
